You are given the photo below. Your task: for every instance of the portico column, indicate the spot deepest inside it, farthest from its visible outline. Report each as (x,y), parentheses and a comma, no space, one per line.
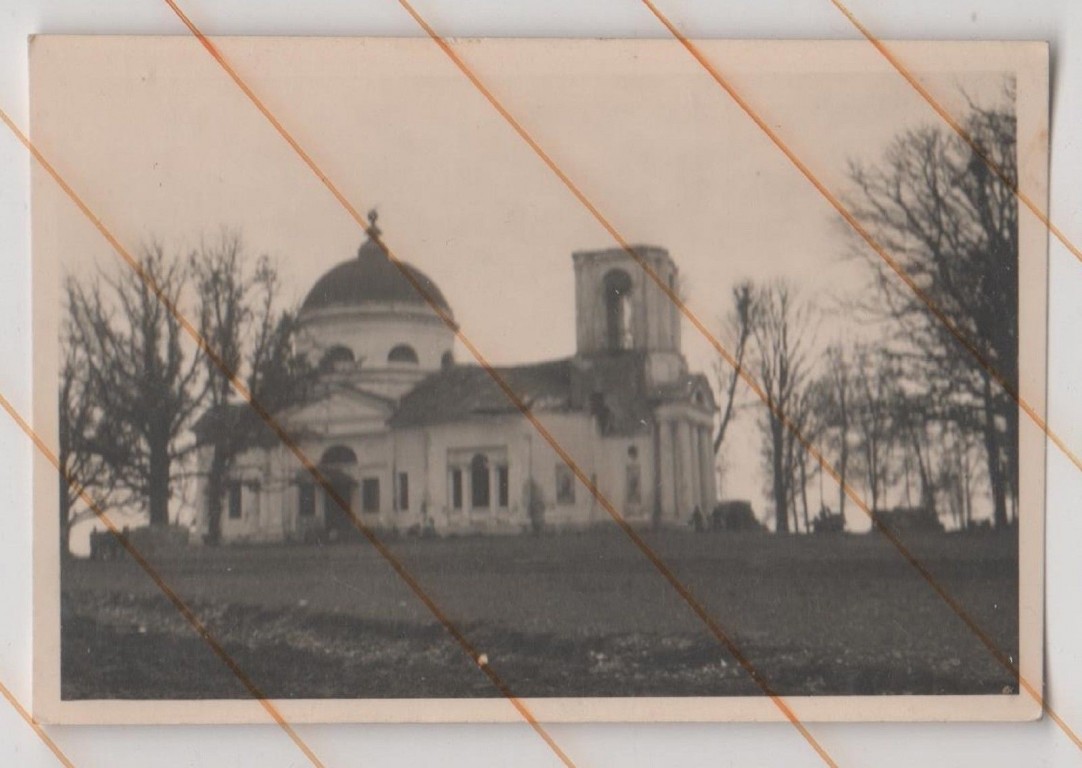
(685,478)
(667,481)
(695,468)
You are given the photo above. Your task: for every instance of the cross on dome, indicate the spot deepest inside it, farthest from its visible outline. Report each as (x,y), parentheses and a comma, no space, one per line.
(372,230)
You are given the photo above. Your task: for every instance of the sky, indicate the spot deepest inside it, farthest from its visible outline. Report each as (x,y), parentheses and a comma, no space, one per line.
(162,145)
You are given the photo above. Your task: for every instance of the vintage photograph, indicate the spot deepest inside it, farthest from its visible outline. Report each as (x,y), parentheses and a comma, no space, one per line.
(499,423)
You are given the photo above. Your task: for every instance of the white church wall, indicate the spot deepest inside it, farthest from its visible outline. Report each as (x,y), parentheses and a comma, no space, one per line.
(616,465)
(430,453)
(247,473)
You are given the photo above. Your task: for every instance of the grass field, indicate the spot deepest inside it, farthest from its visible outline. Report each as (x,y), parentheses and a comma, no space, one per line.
(559,615)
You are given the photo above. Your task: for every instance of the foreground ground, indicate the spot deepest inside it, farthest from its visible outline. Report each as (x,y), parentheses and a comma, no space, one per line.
(568,615)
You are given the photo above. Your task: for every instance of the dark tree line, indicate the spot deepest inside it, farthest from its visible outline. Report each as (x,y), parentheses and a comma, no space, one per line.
(953,226)
(132,382)
(909,415)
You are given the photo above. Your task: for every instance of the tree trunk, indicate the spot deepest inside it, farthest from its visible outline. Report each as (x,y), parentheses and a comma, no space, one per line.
(843,462)
(158,483)
(906,471)
(781,498)
(927,492)
(804,490)
(995,465)
(873,479)
(967,497)
(214,491)
(214,512)
(1012,454)
(65,515)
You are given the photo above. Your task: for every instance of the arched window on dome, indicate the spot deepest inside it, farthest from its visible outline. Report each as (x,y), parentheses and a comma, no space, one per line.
(402,353)
(617,286)
(335,358)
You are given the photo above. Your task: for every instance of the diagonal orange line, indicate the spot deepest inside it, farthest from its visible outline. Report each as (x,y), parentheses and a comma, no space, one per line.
(36,727)
(867,237)
(958,609)
(959,129)
(157,578)
(294,448)
(848,216)
(697,607)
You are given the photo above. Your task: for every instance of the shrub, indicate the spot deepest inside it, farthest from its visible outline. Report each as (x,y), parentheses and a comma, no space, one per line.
(734,516)
(828,522)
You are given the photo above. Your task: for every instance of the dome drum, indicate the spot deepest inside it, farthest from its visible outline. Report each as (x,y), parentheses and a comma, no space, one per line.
(366,318)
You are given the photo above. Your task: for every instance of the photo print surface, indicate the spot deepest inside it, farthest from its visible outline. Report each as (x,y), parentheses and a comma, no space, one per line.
(654,438)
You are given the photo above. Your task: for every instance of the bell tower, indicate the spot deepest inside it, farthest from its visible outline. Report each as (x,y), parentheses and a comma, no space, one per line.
(620,309)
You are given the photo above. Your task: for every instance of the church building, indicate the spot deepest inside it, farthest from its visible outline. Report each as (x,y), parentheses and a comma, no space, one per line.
(419,443)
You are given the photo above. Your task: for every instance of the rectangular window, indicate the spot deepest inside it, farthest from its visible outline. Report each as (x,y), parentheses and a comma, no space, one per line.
(306,500)
(480,492)
(234,491)
(634,484)
(502,486)
(370,494)
(565,485)
(403,491)
(456,488)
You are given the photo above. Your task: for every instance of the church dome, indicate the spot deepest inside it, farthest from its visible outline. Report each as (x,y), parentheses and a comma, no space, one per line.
(372,278)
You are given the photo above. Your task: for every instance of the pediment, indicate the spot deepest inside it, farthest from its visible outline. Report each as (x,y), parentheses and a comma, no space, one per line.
(341,410)
(702,395)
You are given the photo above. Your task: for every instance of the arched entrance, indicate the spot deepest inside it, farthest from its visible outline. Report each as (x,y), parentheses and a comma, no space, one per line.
(338,465)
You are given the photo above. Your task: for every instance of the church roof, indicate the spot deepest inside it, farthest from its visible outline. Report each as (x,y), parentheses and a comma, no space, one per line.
(612,387)
(372,277)
(238,423)
(461,392)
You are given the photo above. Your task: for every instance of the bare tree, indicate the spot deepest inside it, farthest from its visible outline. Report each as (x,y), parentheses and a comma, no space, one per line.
(958,470)
(143,381)
(913,419)
(80,427)
(251,337)
(838,396)
(728,377)
(873,411)
(952,225)
(806,414)
(781,329)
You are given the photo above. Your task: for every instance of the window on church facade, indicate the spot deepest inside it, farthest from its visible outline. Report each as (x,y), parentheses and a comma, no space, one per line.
(403,501)
(565,485)
(306,500)
(370,494)
(502,486)
(456,488)
(235,491)
(480,492)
